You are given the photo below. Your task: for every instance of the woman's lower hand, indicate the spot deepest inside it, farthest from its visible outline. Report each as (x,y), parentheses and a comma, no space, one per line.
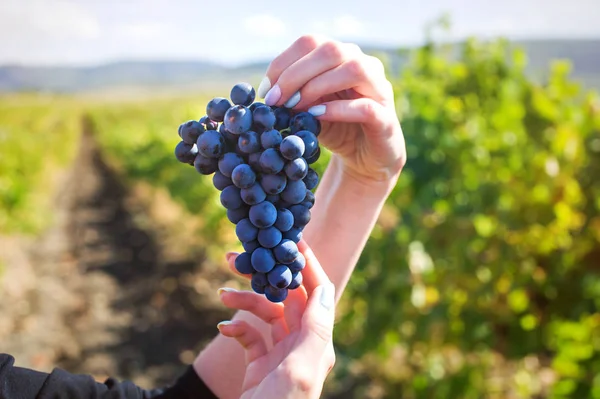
(299,356)
(349,93)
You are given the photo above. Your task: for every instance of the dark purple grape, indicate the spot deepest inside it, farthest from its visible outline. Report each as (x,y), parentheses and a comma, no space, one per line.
(294,192)
(186,153)
(249,142)
(259,282)
(269,237)
(276,295)
(216,108)
(208,123)
(315,157)
(280,277)
(263,215)
(282,118)
(312,179)
(228,162)
(243,176)
(285,220)
(263,260)
(273,184)
(294,234)
(311,143)
(296,281)
(190,131)
(235,215)
(238,119)
(292,147)
(230,197)
(270,139)
(298,264)
(271,162)
(263,117)
(246,231)
(211,144)
(296,169)
(250,246)
(305,121)
(253,195)
(243,263)
(242,94)
(220,181)
(286,251)
(301,215)
(205,165)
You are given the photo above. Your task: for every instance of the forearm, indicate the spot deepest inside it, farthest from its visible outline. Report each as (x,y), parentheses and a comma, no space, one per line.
(344,214)
(342,219)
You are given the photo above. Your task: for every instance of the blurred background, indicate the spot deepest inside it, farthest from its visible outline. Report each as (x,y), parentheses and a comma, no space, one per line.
(482,277)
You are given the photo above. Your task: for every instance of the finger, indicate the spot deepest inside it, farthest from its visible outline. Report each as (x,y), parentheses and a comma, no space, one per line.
(231,257)
(317,321)
(358,74)
(249,337)
(295,305)
(297,50)
(361,110)
(313,274)
(325,57)
(269,312)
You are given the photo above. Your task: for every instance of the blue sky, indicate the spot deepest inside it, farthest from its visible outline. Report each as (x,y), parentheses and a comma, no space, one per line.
(233,32)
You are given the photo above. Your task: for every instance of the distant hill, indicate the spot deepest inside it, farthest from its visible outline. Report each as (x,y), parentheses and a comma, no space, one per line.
(584,54)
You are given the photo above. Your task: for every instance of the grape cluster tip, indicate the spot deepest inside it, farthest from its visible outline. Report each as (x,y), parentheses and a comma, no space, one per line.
(260,159)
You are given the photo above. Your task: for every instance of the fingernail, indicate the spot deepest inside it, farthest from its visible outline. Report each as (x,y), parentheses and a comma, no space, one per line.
(293,101)
(225,289)
(223,323)
(229,255)
(328,296)
(273,95)
(317,110)
(263,87)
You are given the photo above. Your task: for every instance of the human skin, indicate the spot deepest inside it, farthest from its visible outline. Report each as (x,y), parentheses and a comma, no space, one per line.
(351,96)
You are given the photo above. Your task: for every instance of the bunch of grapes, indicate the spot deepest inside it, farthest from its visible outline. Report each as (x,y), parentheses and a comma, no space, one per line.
(260,157)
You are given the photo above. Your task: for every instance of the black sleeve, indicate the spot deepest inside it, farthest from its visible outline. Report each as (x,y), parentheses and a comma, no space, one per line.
(22,383)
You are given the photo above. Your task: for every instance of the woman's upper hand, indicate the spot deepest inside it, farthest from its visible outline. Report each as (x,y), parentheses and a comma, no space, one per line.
(300,354)
(349,92)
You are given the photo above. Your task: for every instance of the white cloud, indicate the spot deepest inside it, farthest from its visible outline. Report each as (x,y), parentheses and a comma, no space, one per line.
(264,25)
(58,19)
(341,27)
(143,30)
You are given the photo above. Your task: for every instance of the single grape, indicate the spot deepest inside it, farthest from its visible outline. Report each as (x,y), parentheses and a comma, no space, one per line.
(243,263)
(216,108)
(294,234)
(271,162)
(204,165)
(263,117)
(269,237)
(305,121)
(208,123)
(270,138)
(309,200)
(190,131)
(262,260)
(186,153)
(311,143)
(211,144)
(220,181)
(275,295)
(228,162)
(253,195)
(273,199)
(242,94)
(282,118)
(285,220)
(229,137)
(254,161)
(296,169)
(245,230)
(258,282)
(280,277)
(296,281)
(315,157)
(263,215)
(235,215)
(255,105)
(273,184)
(312,179)
(283,204)
(250,246)
(238,119)
(292,147)
(243,176)
(301,215)
(249,142)
(286,251)
(294,192)
(298,264)
(230,197)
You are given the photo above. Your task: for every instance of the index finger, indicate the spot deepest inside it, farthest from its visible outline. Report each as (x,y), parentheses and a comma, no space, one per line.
(313,274)
(297,50)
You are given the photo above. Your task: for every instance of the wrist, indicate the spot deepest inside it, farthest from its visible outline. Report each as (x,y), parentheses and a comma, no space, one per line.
(379,187)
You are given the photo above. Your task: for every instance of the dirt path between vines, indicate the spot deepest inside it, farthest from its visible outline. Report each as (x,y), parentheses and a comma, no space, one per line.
(97,294)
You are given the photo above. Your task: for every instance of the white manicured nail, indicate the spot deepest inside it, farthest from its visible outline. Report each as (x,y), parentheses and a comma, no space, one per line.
(317,110)
(293,101)
(263,87)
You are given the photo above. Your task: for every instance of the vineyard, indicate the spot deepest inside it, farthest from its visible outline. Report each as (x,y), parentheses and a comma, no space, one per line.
(481,278)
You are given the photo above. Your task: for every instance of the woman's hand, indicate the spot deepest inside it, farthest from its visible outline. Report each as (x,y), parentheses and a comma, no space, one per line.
(348,91)
(300,356)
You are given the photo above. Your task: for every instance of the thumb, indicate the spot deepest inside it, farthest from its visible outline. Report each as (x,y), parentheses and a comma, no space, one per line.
(317,321)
